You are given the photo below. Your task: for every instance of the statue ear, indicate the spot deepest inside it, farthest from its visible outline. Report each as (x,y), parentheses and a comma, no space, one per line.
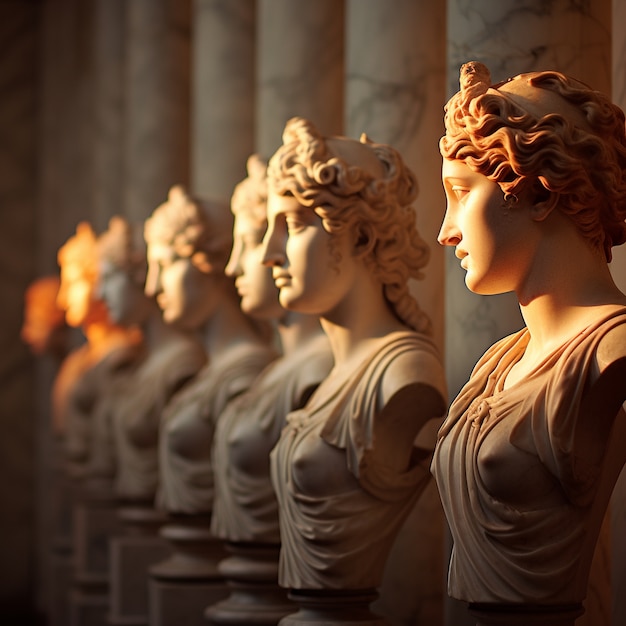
(544,202)
(201,261)
(363,240)
(542,208)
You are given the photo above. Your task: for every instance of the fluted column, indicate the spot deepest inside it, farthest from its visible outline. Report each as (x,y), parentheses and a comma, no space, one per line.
(572,38)
(300,67)
(618,268)
(395,89)
(157,99)
(223,103)
(108,138)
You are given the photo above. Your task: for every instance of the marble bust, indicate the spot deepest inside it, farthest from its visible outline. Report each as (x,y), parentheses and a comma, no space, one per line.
(188,243)
(89,372)
(342,244)
(44,329)
(171,358)
(534,170)
(245,508)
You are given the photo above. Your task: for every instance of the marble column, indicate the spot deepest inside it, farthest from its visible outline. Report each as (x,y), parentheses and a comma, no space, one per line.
(157,100)
(223,103)
(395,90)
(618,268)
(18,228)
(512,38)
(108,105)
(66,124)
(300,67)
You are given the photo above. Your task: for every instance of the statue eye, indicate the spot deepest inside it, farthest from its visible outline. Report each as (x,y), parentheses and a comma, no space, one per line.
(459,192)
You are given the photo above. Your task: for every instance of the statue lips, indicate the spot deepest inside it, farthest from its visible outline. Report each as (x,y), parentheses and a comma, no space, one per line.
(462,255)
(282,280)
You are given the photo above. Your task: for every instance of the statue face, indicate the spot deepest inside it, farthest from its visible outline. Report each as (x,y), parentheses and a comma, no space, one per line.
(304,259)
(253,280)
(495,243)
(75,294)
(120,294)
(185,295)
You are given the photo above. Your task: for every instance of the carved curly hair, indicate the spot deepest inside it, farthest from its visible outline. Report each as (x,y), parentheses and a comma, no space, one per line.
(373,201)
(576,162)
(80,250)
(118,246)
(197,229)
(250,195)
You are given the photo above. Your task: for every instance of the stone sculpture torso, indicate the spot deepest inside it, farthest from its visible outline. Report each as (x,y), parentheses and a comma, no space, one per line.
(188,425)
(340,508)
(104,367)
(245,505)
(137,414)
(518,470)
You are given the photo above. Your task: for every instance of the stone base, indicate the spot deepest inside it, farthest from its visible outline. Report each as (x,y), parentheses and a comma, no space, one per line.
(524,615)
(88,607)
(180,588)
(130,560)
(255,598)
(333,608)
(181,603)
(95,521)
(61,570)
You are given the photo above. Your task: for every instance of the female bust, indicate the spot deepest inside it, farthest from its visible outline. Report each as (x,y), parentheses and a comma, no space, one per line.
(534,170)
(245,513)
(343,244)
(188,245)
(171,358)
(44,329)
(88,372)
(246,509)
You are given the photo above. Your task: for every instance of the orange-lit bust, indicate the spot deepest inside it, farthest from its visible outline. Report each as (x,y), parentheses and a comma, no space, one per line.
(44,321)
(534,170)
(90,370)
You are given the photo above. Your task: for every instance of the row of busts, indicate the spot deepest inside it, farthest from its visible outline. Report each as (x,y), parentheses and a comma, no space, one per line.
(207,387)
(300,420)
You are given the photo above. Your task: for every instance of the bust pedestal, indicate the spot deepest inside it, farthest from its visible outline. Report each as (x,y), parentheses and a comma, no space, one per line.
(131,556)
(330,608)
(95,522)
(61,557)
(181,586)
(255,598)
(525,615)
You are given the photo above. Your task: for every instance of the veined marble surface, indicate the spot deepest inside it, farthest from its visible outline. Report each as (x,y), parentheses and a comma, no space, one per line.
(300,67)
(157,102)
(223,88)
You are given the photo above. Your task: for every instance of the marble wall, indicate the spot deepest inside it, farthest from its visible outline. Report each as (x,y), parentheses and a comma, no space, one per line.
(107,103)
(157,142)
(223,94)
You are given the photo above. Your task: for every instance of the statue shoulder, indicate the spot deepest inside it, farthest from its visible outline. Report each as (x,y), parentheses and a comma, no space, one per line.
(612,346)
(416,369)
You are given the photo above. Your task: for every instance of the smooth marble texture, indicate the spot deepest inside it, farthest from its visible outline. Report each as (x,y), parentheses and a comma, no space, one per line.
(300,67)
(223,52)
(395,84)
(157,101)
